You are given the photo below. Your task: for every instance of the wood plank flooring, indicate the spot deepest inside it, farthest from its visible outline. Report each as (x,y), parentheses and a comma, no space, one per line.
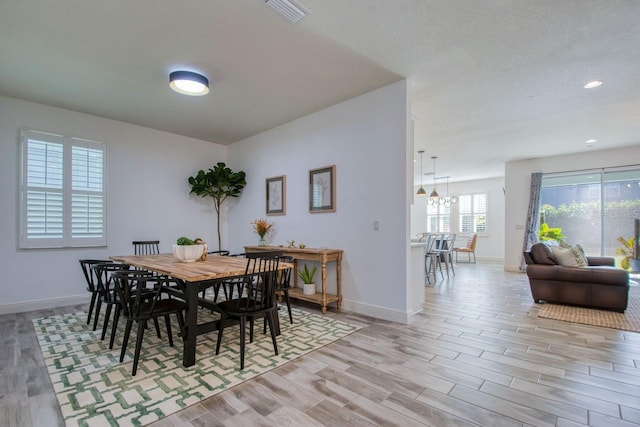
(477,355)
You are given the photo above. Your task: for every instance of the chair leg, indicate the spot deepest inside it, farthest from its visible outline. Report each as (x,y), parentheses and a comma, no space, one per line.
(251,322)
(450,258)
(136,356)
(94,296)
(125,340)
(223,318)
(157,325)
(98,306)
(180,323)
(273,331)
(105,325)
(243,325)
(114,328)
(286,298)
(167,322)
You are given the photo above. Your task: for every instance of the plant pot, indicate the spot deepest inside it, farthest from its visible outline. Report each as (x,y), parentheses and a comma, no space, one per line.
(262,242)
(634,265)
(189,253)
(309,288)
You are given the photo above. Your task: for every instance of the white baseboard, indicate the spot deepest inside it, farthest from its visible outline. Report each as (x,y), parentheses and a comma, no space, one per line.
(44,304)
(512,269)
(378,312)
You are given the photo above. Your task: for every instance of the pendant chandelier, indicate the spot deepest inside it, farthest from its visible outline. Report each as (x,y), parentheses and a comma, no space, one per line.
(434,193)
(434,197)
(421,191)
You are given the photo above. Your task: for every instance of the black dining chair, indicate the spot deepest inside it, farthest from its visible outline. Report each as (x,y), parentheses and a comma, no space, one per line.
(108,295)
(256,299)
(284,284)
(92,287)
(138,306)
(146,247)
(216,287)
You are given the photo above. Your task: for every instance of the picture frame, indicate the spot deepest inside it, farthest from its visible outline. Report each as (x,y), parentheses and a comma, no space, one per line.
(276,195)
(322,189)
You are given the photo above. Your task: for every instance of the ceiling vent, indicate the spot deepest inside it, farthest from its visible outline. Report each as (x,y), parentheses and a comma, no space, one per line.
(292,12)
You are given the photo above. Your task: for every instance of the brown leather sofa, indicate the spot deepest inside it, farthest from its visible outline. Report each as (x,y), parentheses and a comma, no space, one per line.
(598,285)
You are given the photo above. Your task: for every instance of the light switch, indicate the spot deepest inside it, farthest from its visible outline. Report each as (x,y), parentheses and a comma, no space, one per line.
(376,225)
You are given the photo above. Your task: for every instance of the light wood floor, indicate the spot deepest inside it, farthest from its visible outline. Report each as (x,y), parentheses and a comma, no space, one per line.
(478,355)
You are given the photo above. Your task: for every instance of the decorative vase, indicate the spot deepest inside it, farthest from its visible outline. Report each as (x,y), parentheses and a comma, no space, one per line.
(262,242)
(309,288)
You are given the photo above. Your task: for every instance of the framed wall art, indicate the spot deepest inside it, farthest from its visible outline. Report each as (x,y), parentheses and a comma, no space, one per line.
(276,195)
(322,189)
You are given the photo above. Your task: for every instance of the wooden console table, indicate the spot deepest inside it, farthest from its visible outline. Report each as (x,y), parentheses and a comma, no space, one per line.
(310,254)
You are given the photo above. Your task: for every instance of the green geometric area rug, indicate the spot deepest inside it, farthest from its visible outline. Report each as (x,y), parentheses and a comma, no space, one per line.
(94,389)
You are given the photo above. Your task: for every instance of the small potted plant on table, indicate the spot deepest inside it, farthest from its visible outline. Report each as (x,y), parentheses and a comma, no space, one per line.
(187,250)
(306,274)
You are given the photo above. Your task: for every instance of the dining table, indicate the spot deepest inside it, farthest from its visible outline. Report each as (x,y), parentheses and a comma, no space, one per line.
(192,278)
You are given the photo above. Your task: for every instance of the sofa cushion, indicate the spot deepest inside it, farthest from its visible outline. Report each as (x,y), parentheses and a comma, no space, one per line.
(541,254)
(564,256)
(570,256)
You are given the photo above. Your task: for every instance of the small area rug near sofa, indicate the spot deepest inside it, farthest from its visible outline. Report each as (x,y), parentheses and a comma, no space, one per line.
(628,321)
(94,389)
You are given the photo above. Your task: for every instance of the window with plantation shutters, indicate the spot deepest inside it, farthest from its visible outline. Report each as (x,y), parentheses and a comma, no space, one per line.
(62,191)
(473,213)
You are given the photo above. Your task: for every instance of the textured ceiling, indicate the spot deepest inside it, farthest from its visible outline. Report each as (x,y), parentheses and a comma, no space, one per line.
(490,81)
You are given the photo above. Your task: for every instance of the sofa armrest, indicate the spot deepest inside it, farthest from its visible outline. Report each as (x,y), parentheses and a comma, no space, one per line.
(601,260)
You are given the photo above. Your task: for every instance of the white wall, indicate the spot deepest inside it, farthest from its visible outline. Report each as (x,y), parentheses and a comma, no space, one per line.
(518,180)
(147,190)
(366,138)
(490,246)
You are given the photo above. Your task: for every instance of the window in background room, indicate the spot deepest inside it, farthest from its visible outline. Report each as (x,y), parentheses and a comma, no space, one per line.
(438,218)
(473,213)
(62,201)
(574,201)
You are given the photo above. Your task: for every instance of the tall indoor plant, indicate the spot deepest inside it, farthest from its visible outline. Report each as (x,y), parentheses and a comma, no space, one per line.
(219,183)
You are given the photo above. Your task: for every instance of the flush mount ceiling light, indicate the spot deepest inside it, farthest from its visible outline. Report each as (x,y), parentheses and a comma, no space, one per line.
(189,83)
(593,84)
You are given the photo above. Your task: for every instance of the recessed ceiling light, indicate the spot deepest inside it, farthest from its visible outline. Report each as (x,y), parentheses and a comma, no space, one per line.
(593,84)
(591,141)
(189,83)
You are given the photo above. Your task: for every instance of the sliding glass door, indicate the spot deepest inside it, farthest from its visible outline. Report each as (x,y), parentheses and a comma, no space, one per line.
(574,202)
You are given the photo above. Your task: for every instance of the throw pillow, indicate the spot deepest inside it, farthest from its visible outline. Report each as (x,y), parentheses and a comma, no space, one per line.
(565,256)
(581,258)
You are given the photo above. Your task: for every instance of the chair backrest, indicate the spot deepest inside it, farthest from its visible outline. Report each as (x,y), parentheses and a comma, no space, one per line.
(221,253)
(471,242)
(432,239)
(146,247)
(258,288)
(89,272)
(104,279)
(284,275)
(137,289)
(449,242)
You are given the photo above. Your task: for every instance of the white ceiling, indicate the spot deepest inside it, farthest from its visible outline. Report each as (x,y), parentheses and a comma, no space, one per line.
(490,80)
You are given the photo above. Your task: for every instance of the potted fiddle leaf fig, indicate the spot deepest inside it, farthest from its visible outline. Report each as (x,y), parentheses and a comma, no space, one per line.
(219,183)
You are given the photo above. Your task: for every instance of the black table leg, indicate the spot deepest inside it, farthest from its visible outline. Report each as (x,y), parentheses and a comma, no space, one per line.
(190,326)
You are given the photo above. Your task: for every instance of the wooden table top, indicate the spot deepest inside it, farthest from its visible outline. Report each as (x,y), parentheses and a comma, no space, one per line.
(214,267)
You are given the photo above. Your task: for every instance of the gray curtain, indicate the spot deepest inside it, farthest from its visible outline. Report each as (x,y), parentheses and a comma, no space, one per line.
(533,216)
